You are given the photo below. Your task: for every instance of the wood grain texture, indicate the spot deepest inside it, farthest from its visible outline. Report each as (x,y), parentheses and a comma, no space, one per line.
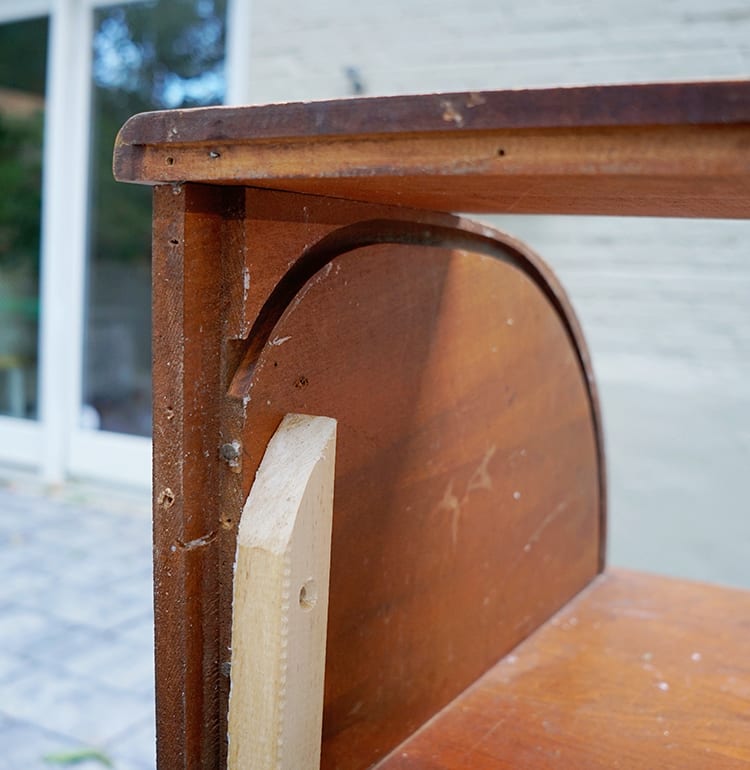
(658,150)
(453,360)
(280,605)
(467,480)
(195,263)
(637,671)
(642,104)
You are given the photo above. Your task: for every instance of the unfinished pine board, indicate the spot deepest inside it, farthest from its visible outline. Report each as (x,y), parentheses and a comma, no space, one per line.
(281,601)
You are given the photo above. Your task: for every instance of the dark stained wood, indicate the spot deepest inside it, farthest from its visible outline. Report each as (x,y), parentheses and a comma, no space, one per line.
(438,432)
(467,490)
(652,150)
(636,672)
(644,104)
(470,478)
(194,264)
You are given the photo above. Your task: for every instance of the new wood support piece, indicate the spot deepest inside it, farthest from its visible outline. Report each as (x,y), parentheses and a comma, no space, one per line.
(281,601)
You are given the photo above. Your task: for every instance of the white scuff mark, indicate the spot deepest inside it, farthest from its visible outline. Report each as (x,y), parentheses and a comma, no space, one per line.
(696,656)
(548,519)
(280,340)
(663,686)
(450,113)
(516,495)
(509,322)
(452,505)
(480,479)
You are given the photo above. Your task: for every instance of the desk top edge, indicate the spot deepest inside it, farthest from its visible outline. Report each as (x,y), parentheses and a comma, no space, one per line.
(669,103)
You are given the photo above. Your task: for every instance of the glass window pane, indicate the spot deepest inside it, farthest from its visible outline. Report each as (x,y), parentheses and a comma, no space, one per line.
(146,55)
(23,63)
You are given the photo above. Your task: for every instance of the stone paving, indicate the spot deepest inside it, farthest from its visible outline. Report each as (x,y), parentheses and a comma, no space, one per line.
(75,627)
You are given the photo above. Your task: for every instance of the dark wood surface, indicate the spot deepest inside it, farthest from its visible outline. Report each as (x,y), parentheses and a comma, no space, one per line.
(654,150)
(470,482)
(469,490)
(638,671)
(645,104)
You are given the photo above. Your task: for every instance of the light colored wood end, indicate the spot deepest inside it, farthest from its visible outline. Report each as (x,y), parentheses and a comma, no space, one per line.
(281,601)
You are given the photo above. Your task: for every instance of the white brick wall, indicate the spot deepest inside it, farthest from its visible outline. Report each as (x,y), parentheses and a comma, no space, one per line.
(665,303)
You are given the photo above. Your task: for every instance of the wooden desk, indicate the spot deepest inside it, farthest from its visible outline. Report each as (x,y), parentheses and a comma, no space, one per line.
(305,261)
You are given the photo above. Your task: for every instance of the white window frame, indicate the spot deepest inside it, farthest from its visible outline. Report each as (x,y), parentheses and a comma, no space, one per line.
(56,445)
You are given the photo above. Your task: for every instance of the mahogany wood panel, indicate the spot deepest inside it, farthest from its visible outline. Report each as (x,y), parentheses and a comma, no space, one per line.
(469,463)
(636,672)
(196,266)
(658,150)
(467,500)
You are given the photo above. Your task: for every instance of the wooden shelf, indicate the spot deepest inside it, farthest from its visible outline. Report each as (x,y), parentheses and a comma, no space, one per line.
(637,671)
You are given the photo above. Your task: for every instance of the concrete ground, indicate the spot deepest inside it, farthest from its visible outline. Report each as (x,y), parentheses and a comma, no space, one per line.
(75,627)
(75,565)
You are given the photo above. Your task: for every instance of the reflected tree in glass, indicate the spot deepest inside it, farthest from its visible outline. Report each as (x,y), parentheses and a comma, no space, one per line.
(23,59)
(146,55)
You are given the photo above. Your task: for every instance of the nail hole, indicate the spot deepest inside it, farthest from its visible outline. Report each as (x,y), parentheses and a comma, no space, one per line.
(174,241)
(308,595)
(170,161)
(501,152)
(166,498)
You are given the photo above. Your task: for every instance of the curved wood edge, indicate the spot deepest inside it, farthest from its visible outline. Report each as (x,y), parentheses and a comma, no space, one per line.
(433,229)
(280,605)
(656,104)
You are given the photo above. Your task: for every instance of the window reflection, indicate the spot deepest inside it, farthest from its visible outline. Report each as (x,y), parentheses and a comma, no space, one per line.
(23,57)
(146,55)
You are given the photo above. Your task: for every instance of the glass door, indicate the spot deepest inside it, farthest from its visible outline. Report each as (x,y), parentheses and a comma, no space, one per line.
(23,66)
(146,55)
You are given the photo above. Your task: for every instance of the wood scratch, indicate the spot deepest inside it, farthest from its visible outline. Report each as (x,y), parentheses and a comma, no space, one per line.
(546,521)
(480,479)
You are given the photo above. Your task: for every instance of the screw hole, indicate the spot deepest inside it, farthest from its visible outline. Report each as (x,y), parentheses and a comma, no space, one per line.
(174,241)
(170,161)
(308,595)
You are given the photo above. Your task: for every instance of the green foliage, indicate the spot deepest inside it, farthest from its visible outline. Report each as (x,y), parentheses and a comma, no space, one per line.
(23,55)
(78,757)
(21,185)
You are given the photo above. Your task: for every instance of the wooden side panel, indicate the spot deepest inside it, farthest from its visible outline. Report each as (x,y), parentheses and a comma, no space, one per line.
(193,262)
(637,672)
(467,482)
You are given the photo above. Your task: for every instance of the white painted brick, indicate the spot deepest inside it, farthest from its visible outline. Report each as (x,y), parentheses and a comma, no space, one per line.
(665,304)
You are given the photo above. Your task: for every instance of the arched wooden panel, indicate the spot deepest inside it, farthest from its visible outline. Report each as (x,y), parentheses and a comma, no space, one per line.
(467,496)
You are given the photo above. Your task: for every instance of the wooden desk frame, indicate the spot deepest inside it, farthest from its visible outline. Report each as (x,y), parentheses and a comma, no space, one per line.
(286,188)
